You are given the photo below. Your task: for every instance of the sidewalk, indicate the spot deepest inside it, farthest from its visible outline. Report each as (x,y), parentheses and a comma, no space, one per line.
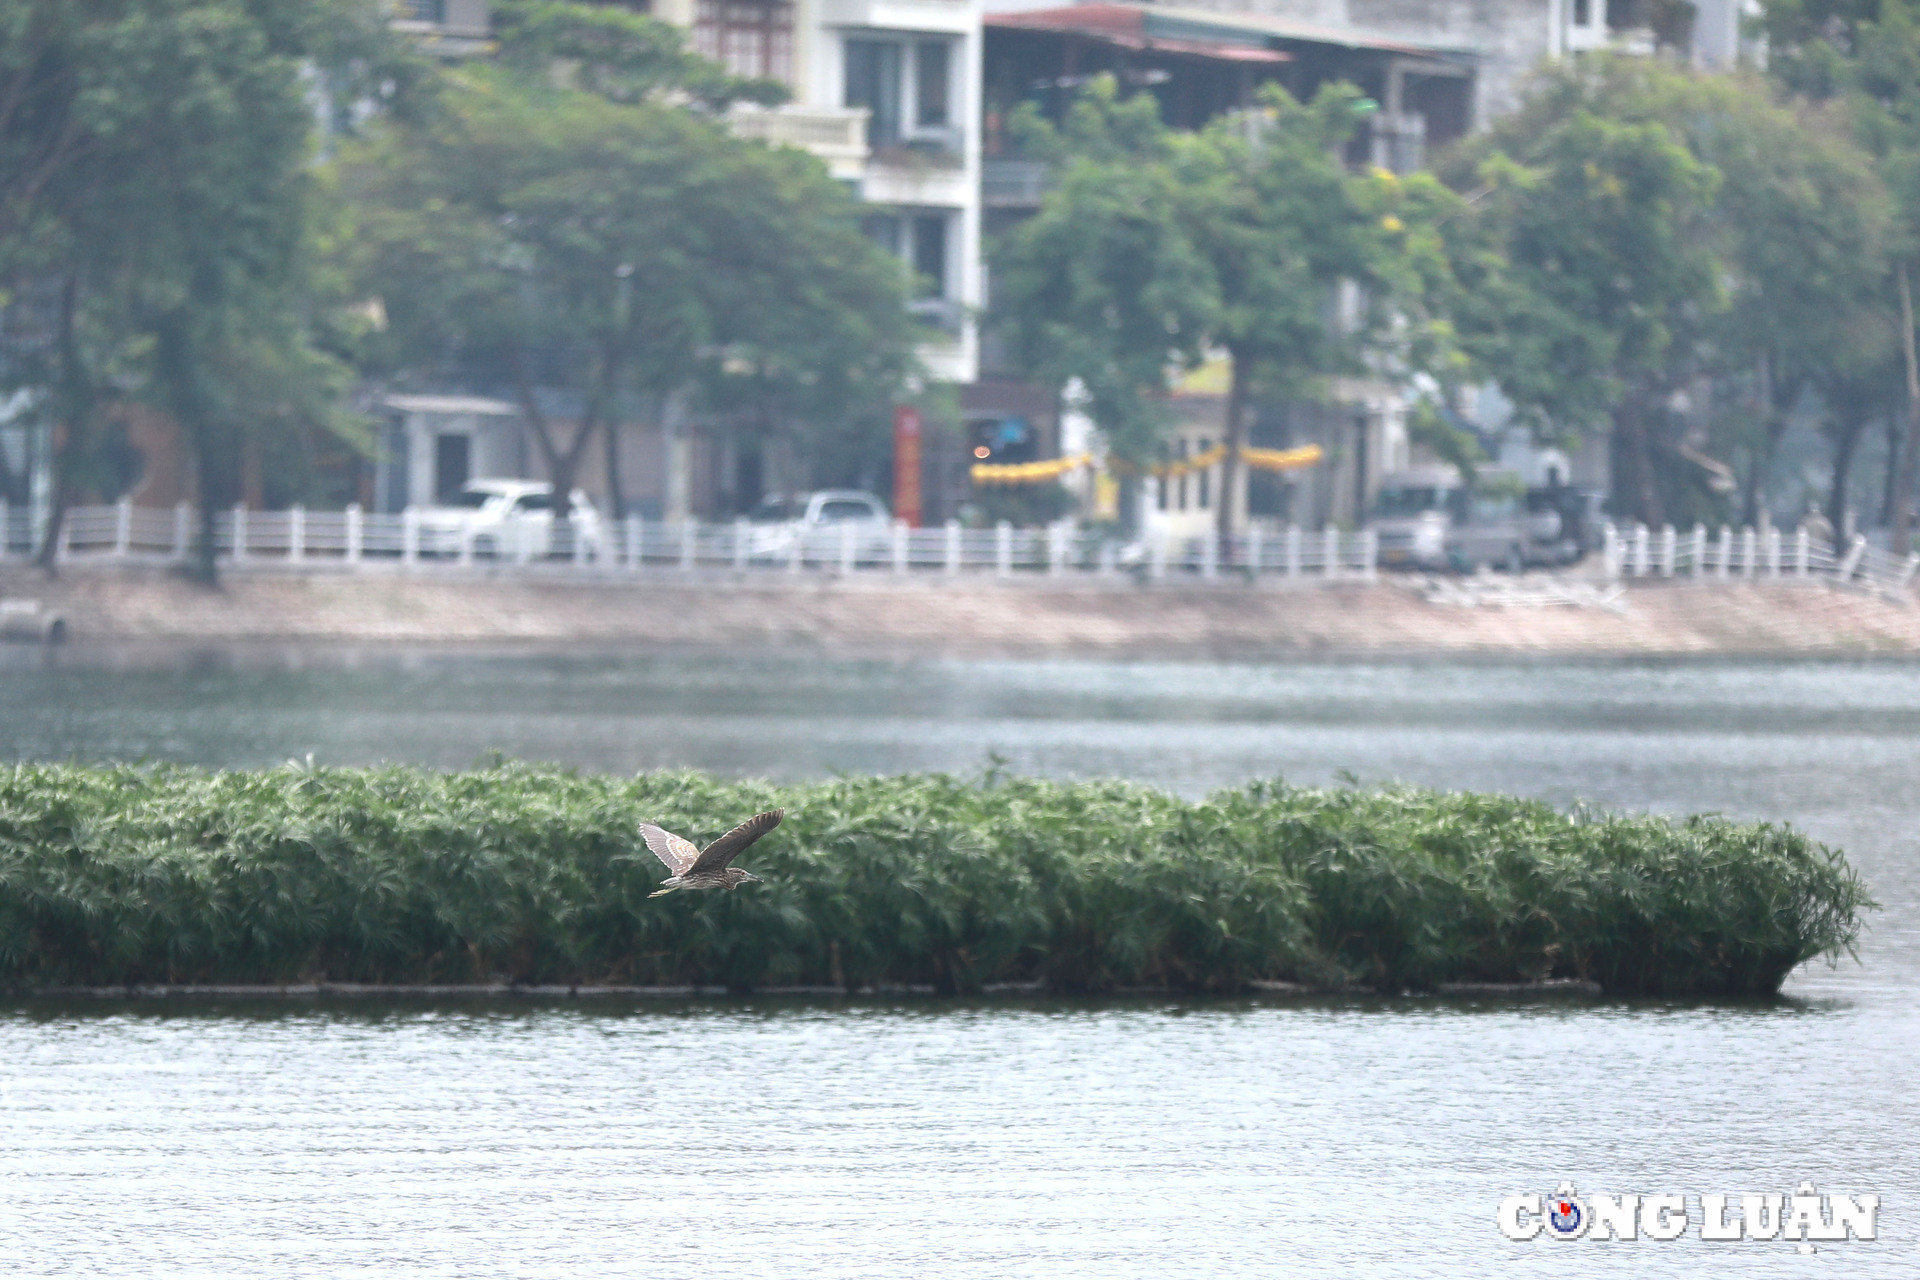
(968,617)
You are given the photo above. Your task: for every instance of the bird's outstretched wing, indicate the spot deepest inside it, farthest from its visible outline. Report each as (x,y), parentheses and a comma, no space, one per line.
(717,855)
(678,854)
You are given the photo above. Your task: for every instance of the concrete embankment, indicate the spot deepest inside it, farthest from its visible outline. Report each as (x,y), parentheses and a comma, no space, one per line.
(967,617)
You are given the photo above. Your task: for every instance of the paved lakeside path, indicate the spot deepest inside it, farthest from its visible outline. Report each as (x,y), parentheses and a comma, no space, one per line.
(970,617)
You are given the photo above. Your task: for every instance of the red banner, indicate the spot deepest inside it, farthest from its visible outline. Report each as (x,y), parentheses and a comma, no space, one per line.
(906,465)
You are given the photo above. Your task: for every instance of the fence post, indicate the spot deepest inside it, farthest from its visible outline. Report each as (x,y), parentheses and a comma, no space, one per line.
(123,527)
(297,534)
(1056,548)
(1610,549)
(239,548)
(577,531)
(1669,544)
(632,532)
(1209,556)
(1639,550)
(1773,551)
(1253,550)
(741,533)
(1803,550)
(356,532)
(689,532)
(1003,549)
(1157,565)
(1697,557)
(1854,554)
(1749,551)
(410,536)
(1330,552)
(953,546)
(846,550)
(1370,554)
(900,546)
(1293,551)
(1726,550)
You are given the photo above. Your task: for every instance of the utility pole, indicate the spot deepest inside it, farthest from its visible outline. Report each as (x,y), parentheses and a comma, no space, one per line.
(1903,487)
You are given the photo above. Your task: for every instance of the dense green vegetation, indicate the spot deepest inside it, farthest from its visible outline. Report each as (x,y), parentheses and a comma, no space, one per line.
(111,875)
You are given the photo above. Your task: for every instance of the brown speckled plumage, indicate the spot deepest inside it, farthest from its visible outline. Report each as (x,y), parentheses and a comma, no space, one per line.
(707,868)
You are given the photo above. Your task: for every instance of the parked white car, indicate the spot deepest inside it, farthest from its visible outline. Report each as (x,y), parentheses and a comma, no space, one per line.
(505,519)
(816,525)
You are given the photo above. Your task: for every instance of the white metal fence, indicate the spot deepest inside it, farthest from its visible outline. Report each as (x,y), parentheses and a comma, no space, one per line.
(1730,554)
(353,538)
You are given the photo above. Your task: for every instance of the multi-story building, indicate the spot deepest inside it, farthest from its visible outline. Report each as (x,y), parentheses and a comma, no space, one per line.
(885,91)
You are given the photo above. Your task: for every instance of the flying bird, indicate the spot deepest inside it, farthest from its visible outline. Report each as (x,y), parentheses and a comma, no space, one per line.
(707,868)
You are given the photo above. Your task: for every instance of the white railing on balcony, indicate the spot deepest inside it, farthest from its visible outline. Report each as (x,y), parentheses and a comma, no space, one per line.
(1751,554)
(832,133)
(1015,184)
(354,538)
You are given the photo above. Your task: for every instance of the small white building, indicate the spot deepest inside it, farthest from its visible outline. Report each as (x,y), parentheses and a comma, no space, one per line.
(431,446)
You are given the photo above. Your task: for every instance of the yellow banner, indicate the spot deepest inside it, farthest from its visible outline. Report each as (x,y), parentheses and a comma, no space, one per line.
(1054,468)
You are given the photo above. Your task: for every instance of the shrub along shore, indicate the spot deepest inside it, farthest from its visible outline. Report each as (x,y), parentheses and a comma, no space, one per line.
(162,875)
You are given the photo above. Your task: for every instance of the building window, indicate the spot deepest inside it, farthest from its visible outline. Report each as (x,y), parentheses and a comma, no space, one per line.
(906,87)
(747,37)
(920,241)
(929,254)
(931,89)
(873,82)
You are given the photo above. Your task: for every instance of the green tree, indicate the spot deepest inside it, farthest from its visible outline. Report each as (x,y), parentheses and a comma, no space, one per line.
(1587,265)
(164,185)
(1106,284)
(1282,225)
(614,239)
(1863,56)
(1640,228)
(1157,248)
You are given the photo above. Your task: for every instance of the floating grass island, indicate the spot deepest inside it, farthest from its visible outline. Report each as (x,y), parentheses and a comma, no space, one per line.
(163,875)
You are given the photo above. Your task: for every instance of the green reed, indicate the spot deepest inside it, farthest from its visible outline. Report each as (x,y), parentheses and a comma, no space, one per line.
(156,875)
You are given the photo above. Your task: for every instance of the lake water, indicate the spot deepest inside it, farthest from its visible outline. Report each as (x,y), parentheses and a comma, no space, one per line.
(1147,1137)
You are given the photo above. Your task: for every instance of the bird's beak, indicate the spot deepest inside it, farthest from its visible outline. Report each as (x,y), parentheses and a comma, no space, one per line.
(754,879)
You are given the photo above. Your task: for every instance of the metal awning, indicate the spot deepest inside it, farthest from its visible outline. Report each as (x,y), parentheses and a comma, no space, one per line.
(1205,32)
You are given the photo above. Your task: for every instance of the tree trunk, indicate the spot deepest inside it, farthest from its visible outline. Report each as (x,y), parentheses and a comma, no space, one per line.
(562,463)
(1762,459)
(1846,440)
(1633,453)
(616,500)
(73,416)
(1890,483)
(1230,467)
(1903,469)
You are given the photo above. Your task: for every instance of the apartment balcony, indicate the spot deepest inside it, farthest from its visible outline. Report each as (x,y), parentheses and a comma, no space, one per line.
(838,135)
(1014,184)
(947,315)
(445,28)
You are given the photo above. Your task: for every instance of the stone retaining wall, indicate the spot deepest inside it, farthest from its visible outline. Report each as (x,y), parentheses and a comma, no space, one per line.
(1115,617)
